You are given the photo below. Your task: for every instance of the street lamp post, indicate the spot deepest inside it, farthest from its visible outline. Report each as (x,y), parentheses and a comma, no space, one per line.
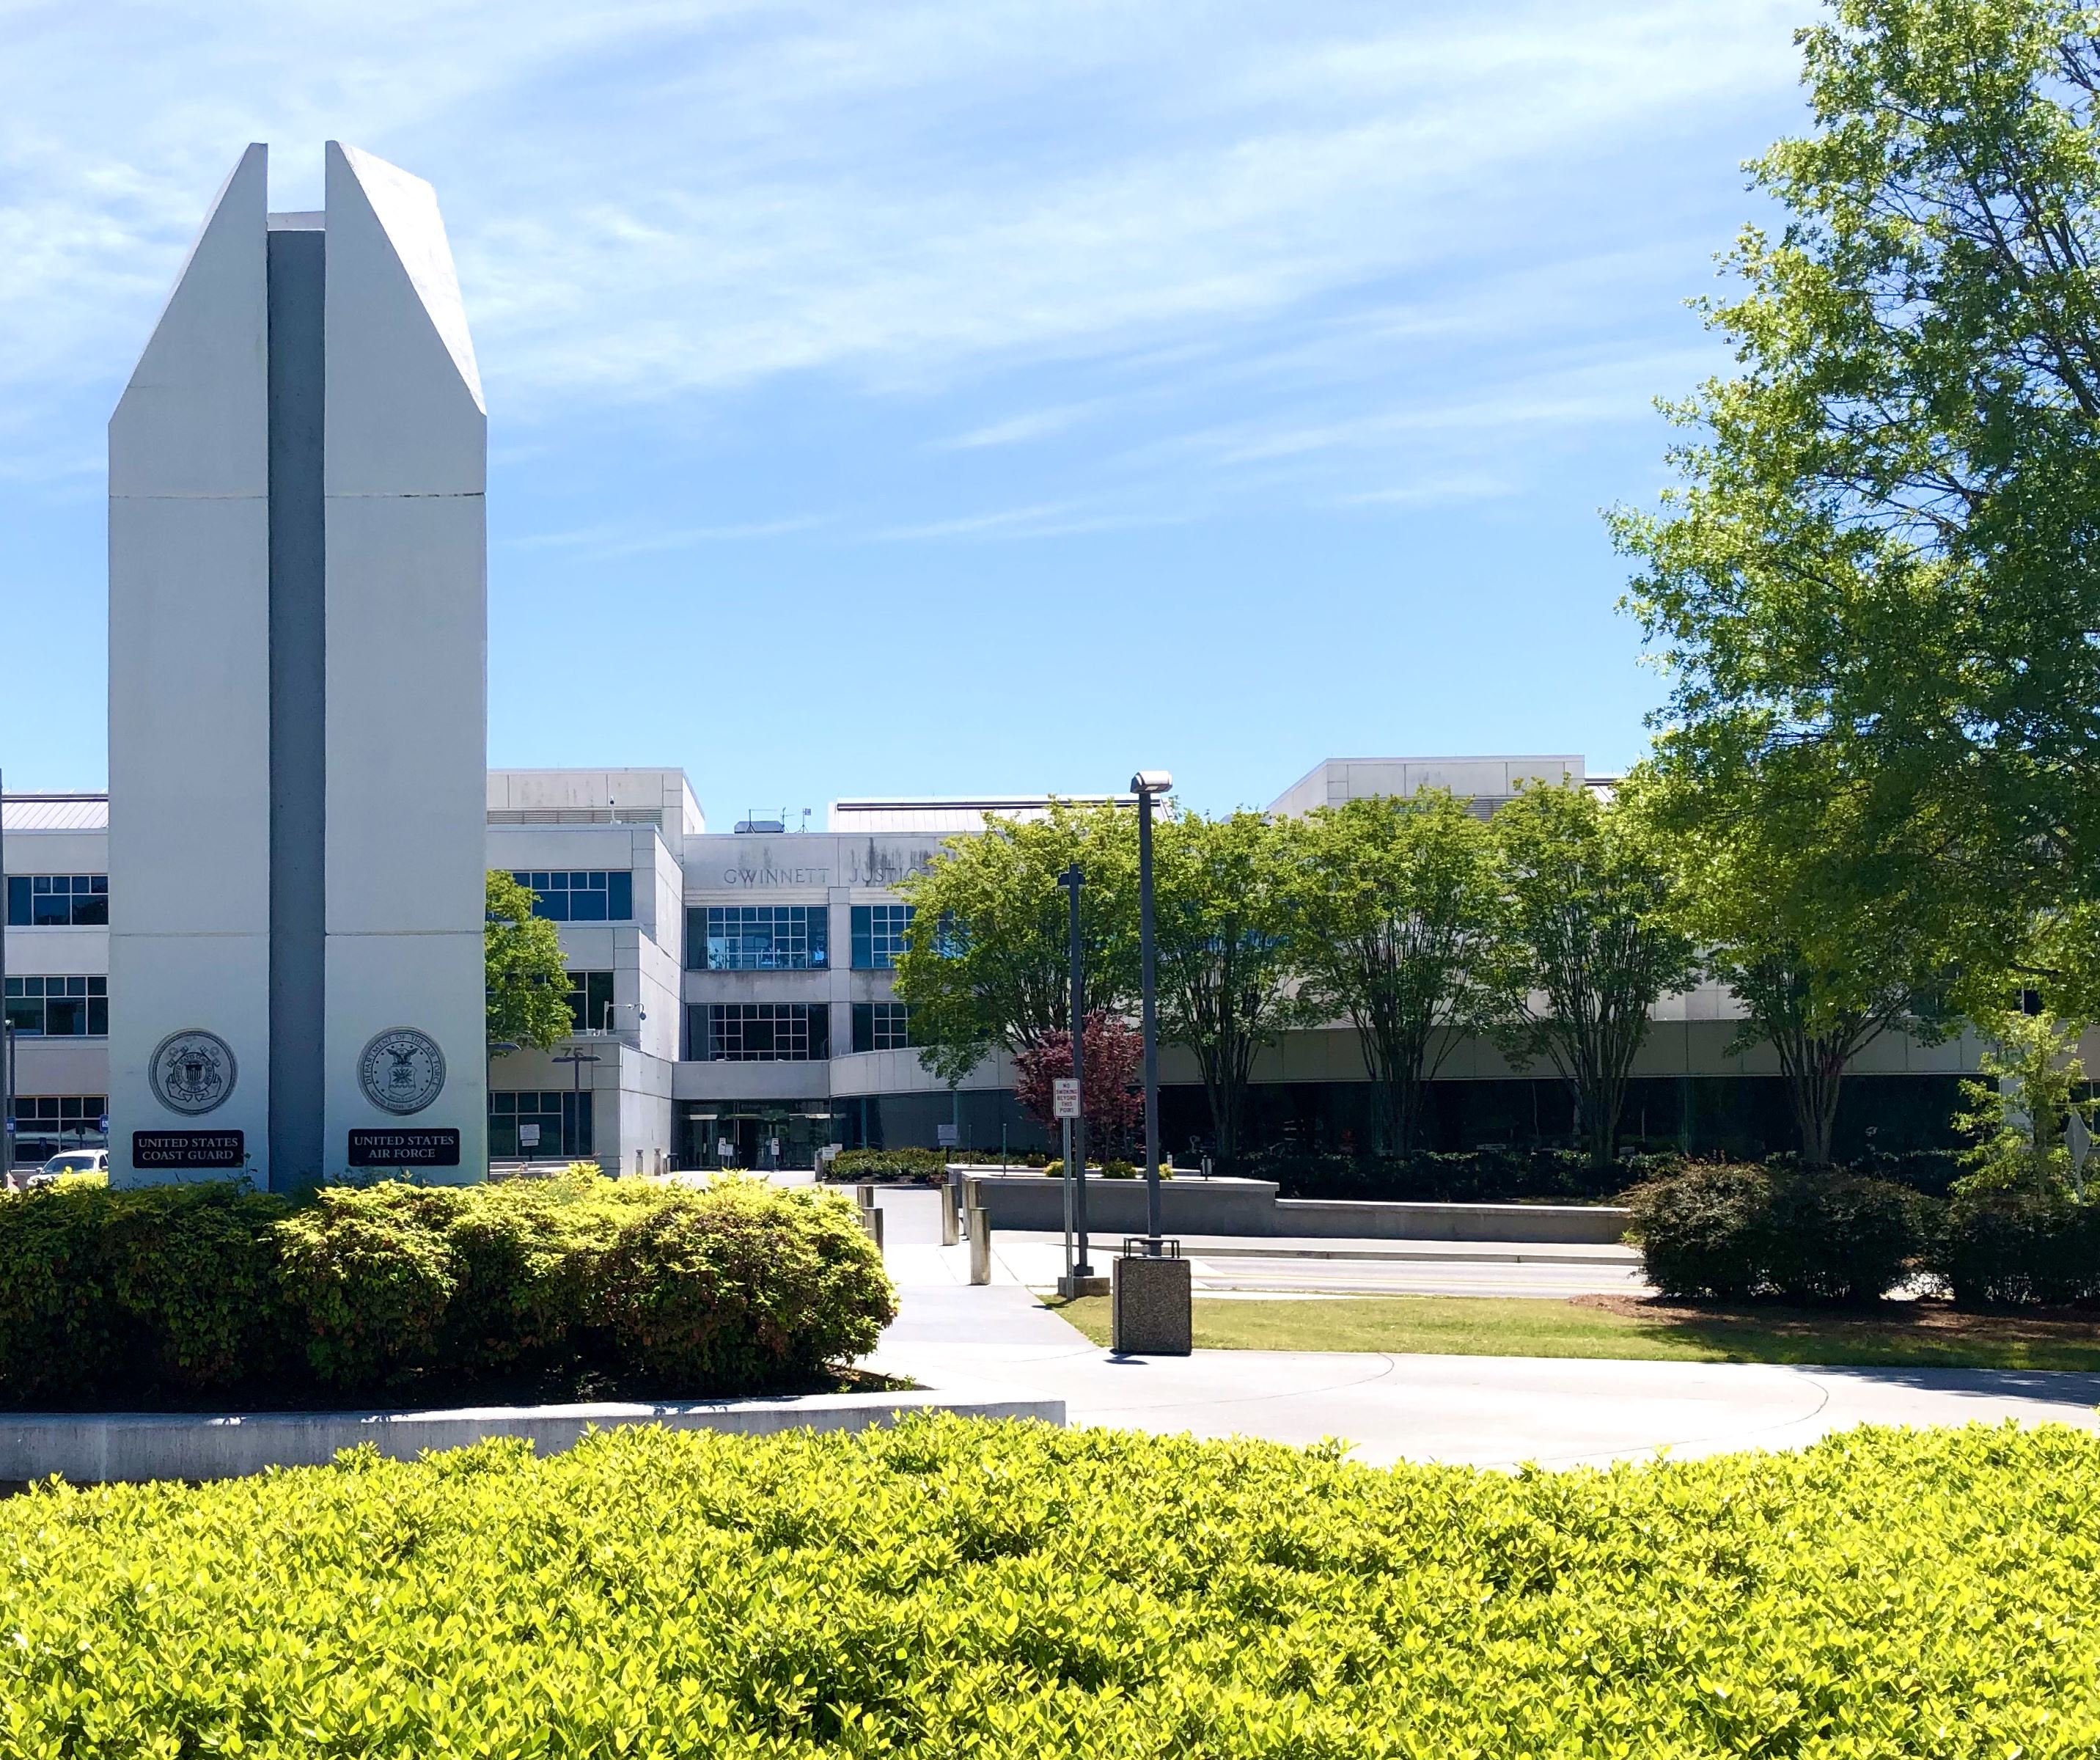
(1072,880)
(575,1060)
(1150,1294)
(1147,785)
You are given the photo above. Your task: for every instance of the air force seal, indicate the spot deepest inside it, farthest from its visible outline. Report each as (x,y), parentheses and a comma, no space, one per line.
(401,1069)
(192,1071)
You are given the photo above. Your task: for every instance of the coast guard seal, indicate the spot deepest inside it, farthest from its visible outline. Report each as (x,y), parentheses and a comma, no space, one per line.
(401,1069)
(192,1071)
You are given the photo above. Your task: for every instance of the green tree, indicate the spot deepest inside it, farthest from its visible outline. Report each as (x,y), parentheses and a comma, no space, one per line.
(527,978)
(984,965)
(1883,543)
(1591,945)
(1828,934)
(2021,1102)
(1223,910)
(1400,918)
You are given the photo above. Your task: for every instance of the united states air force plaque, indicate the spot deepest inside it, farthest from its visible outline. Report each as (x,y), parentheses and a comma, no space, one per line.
(401,1070)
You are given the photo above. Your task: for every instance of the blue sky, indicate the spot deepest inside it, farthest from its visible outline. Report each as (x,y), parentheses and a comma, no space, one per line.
(889,398)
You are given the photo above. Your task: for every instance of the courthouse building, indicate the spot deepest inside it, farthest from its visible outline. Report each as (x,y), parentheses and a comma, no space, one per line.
(734,1000)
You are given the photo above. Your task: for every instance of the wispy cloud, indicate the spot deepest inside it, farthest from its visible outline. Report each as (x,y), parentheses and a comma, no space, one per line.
(610,541)
(1014,430)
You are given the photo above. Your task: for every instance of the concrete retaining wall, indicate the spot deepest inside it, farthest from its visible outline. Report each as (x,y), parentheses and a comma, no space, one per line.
(1035,1201)
(1328,1219)
(86,1448)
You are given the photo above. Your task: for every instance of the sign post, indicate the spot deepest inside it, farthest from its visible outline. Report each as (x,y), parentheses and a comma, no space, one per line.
(1065,1108)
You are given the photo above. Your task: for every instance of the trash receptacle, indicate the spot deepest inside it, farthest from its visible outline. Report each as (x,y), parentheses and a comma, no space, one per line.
(1151,1300)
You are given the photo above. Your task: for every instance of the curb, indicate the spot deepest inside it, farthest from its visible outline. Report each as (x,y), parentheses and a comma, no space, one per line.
(95,1447)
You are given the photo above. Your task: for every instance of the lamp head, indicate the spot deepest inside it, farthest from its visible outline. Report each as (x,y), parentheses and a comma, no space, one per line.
(1151,783)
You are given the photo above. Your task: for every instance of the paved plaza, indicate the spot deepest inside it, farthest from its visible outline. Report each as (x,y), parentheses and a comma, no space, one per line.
(1487,1411)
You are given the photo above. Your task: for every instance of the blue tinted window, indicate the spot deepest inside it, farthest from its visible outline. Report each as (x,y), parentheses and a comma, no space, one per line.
(58,1007)
(57,900)
(759,1032)
(581,896)
(878,935)
(881,1026)
(758,938)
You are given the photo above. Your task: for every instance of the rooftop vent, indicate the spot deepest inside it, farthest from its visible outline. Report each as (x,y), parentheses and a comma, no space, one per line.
(746,826)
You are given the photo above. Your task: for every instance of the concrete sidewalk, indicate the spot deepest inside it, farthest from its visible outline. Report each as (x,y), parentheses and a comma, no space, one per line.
(1487,1411)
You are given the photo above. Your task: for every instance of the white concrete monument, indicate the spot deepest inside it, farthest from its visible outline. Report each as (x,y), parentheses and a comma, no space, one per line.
(298,701)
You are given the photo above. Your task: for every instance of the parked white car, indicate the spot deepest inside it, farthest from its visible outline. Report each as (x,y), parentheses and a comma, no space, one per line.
(72,1161)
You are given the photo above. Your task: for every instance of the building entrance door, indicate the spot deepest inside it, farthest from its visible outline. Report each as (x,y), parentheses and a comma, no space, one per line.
(757,1135)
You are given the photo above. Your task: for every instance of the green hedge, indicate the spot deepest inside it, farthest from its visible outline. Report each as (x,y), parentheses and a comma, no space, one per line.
(920,1166)
(1729,1231)
(2017,1248)
(1472,1176)
(950,1589)
(182,1294)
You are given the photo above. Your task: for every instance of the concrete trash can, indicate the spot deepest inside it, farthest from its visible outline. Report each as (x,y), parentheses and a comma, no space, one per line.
(1151,1302)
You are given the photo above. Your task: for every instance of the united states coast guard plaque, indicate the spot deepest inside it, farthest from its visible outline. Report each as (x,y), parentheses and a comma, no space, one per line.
(192,1071)
(402,1070)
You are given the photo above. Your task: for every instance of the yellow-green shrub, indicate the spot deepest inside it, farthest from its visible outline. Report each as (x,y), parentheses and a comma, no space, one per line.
(953,1589)
(211,1291)
(744,1284)
(193,1271)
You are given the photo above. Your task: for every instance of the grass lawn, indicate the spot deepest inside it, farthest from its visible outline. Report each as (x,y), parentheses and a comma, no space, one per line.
(1901,1334)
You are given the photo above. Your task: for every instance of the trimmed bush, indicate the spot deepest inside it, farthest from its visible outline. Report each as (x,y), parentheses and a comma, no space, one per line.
(527,1261)
(1702,1231)
(59,1327)
(1727,1231)
(905,1165)
(948,1589)
(367,1271)
(192,1269)
(213,1291)
(2015,1246)
(1835,1238)
(744,1286)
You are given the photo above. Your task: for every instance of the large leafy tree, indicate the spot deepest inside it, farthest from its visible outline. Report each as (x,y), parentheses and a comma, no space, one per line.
(527,977)
(1591,947)
(1224,911)
(1829,928)
(1400,918)
(1886,543)
(986,965)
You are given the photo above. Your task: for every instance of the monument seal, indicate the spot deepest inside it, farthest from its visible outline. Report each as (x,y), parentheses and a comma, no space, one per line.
(192,1071)
(401,1069)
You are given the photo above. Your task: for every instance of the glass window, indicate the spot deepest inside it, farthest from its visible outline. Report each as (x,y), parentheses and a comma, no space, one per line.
(758,938)
(881,1026)
(58,1007)
(759,1032)
(49,1124)
(556,1121)
(581,895)
(590,1001)
(878,935)
(58,901)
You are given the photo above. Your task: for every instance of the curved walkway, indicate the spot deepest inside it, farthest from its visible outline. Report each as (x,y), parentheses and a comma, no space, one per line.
(1488,1411)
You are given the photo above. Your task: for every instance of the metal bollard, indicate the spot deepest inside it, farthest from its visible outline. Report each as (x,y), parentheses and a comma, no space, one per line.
(870,1222)
(979,1223)
(948,1195)
(864,1194)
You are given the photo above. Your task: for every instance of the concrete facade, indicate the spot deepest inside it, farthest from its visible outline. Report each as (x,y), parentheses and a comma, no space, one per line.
(297,697)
